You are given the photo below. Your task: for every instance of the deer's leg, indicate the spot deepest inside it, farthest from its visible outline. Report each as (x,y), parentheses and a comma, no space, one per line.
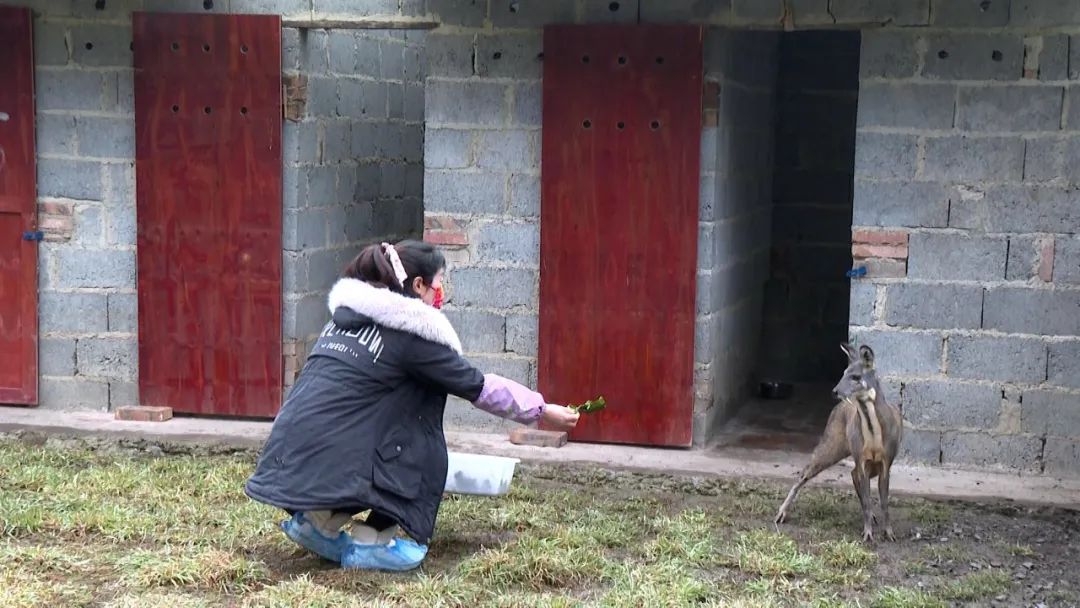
(883,496)
(830,451)
(861,480)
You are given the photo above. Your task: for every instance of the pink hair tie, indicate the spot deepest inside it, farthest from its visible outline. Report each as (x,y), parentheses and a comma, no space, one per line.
(395,262)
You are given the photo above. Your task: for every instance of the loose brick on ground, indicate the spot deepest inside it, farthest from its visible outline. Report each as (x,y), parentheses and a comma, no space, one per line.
(537,437)
(143,413)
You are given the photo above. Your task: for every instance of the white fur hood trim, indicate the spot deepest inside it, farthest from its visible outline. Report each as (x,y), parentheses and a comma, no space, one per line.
(394,311)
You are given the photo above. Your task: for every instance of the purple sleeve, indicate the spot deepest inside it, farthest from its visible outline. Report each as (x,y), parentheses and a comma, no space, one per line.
(505,398)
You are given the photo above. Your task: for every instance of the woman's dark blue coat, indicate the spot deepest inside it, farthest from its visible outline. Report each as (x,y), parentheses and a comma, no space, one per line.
(362,426)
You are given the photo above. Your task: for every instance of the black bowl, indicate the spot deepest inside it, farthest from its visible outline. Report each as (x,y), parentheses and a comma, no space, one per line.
(775,390)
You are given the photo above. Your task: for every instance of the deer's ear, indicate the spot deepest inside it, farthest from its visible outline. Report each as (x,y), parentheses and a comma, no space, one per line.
(867,355)
(849,350)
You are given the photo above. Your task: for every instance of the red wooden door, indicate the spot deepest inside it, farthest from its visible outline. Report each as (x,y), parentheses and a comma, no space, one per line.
(619,225)
(18,211)
(208,174)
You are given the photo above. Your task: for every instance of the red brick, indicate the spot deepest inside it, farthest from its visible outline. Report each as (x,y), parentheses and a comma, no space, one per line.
(788,18)
(442,222)
(291,371)
(143,413)
(291,364)
(54,208)
(538,438)
(1046,259)
(445,231)
(294,96)
(879,237)
(293,355)
(883,268)
(446,238)
(57,226)
(292,347)
(710,95)
(55,222)
(896,252)
(55,229)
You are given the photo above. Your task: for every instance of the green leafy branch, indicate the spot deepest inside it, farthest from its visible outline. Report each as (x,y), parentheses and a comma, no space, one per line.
(591,406)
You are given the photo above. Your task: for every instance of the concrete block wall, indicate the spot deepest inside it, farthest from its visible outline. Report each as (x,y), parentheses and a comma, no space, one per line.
(735,215)
(482,194)
(353,160)
(86,148)
(806,298)
(966,179)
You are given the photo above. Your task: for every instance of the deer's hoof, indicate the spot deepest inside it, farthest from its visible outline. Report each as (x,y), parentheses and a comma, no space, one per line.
(889,535)
(868,536)
(781,516)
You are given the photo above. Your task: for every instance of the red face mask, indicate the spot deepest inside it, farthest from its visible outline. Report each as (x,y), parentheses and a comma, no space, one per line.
(437,304)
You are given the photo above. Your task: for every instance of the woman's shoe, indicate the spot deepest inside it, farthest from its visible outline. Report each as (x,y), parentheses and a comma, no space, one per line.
(302,532)
(399,555)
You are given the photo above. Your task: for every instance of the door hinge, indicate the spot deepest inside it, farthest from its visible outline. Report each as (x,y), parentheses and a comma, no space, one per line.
(33,235)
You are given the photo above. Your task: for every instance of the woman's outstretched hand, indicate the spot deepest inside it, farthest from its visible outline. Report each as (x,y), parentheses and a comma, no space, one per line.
(562,418)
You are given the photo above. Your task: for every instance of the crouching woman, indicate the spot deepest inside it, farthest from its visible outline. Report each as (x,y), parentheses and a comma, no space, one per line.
(362,427)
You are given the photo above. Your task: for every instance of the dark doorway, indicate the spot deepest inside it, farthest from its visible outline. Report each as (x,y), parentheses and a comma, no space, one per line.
(805,308)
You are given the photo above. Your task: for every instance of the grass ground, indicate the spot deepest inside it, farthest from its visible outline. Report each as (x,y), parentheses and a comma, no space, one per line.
(124,529)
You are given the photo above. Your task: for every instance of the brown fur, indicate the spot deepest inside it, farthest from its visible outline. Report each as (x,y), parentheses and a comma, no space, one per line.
(867,428)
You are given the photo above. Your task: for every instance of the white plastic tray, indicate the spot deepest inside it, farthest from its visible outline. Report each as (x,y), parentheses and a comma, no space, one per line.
(479,474)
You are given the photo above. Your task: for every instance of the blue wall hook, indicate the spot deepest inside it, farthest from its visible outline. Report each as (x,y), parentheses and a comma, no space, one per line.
(857,272)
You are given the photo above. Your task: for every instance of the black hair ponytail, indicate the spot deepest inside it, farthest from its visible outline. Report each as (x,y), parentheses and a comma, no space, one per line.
(419,259)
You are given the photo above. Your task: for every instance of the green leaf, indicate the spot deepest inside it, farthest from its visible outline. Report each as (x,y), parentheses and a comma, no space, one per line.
(594,405)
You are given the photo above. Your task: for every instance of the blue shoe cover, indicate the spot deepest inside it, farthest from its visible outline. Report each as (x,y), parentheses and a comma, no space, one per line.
(400,555)
(302,532)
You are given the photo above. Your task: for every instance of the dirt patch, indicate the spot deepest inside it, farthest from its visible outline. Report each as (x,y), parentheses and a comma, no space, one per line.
(1035,549)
